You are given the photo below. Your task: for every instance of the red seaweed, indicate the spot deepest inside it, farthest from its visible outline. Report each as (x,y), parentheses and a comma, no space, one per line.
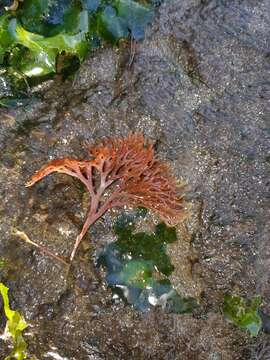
(122,171)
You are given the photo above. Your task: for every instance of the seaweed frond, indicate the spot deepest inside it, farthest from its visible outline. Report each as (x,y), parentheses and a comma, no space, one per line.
(122,171)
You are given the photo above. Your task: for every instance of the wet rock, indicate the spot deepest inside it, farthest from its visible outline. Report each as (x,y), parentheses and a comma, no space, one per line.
(198,87)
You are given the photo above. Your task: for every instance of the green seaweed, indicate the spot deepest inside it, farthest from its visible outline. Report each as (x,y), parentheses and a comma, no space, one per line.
(14,328)
(40,52)
(2,263)
(242,313)
(35,39)
(138,267)
(148,246)
(123,17)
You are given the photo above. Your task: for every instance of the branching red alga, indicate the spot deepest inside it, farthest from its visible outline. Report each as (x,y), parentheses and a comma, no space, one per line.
(122,171)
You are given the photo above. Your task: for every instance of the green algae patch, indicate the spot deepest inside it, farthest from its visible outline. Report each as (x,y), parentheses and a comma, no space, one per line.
(122,18)
(243,313)
(14,328)
(45,37)
(2,263)
(138,268)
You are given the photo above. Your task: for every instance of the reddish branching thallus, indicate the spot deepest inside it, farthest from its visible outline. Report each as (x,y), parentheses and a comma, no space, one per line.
(122,171)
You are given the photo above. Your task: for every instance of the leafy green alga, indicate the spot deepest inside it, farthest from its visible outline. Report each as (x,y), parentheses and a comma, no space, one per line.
(123,17)
(35,39)
(2,263)
(137,267)
(243,313)
(14,328)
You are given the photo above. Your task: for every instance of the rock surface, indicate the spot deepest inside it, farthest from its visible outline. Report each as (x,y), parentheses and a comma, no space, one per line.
(198,86)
